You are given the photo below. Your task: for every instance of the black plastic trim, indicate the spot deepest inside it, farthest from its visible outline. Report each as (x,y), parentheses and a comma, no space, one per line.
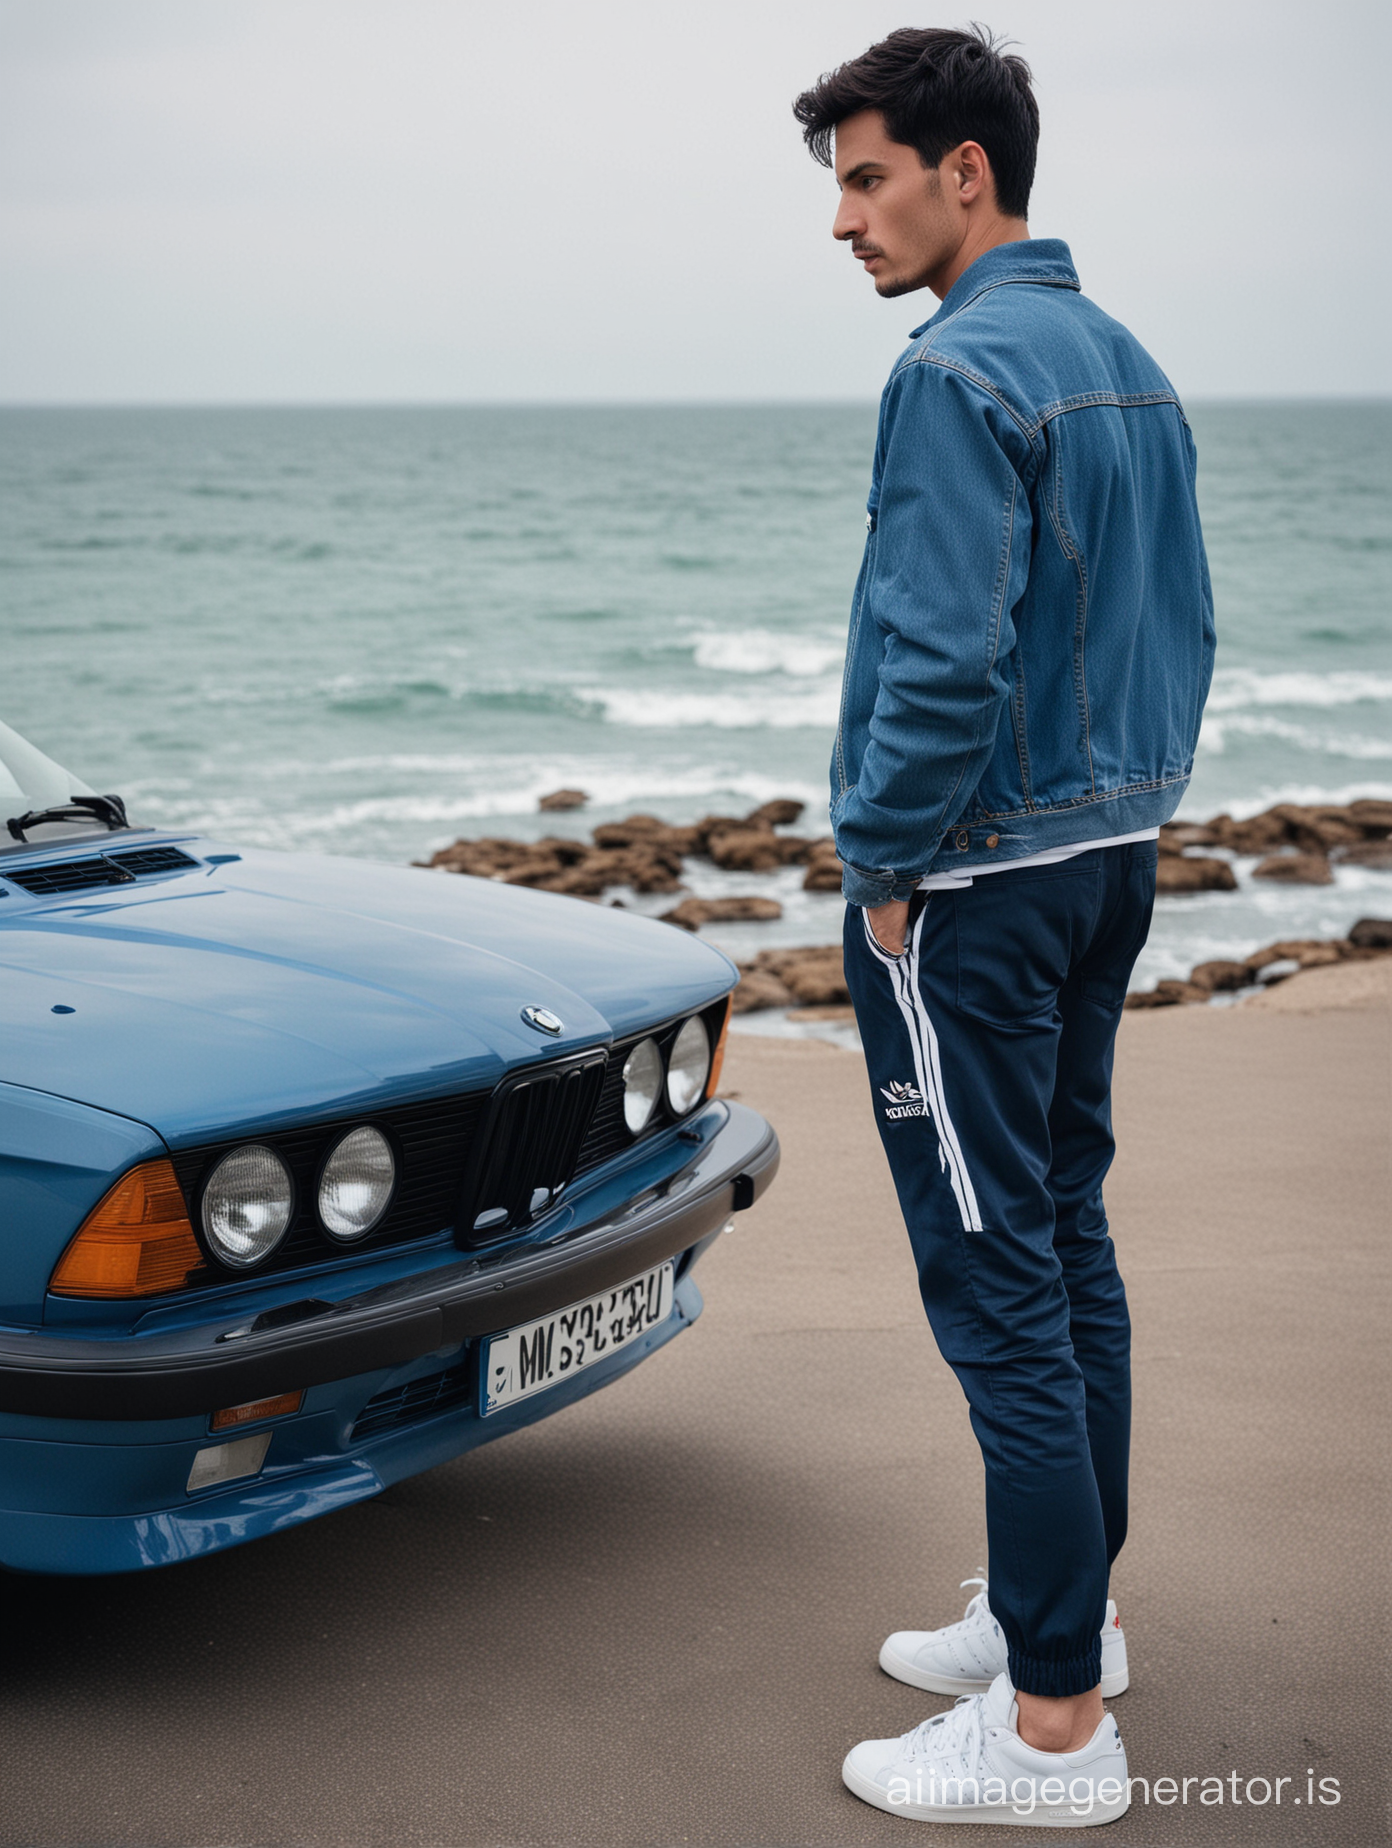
(191,1372)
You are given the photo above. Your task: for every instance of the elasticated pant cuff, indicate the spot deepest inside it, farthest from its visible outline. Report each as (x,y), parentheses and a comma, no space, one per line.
(1056,1680)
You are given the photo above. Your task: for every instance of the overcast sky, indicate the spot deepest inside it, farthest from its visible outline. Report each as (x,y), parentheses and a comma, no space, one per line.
(357,200)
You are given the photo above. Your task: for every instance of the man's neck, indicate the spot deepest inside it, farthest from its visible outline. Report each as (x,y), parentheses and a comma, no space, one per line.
(980,238)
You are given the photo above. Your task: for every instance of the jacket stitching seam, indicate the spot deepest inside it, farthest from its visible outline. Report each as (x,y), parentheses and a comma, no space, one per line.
(1076,802)
(1089,400)
(1026,428)
(845,678)
(1002,579)
(1080,623)
(1020,723)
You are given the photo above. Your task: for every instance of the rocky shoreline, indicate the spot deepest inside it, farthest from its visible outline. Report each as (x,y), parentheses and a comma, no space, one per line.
(1293,844)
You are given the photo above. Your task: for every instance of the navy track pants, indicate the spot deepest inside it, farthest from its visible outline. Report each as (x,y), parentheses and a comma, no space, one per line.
(989,1049)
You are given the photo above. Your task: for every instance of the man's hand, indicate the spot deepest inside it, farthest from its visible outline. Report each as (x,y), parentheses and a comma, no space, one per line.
(888,923)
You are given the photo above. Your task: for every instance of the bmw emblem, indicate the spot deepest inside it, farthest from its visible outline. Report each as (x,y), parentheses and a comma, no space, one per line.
(543,1019)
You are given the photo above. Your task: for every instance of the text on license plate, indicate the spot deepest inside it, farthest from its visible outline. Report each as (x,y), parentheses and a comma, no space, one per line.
(542,1353)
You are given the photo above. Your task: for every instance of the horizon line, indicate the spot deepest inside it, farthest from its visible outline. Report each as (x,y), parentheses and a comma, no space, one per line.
(613,404)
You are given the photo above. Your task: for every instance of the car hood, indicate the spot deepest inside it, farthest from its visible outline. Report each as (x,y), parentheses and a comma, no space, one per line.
(280,987)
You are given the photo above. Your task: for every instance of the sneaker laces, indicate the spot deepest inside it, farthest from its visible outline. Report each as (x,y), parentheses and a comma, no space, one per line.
(978,1611)
(959,1733)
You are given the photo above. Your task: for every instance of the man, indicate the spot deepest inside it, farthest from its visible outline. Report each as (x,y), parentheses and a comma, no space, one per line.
(1031,641)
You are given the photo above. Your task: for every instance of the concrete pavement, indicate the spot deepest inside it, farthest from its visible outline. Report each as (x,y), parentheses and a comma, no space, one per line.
(654,1618)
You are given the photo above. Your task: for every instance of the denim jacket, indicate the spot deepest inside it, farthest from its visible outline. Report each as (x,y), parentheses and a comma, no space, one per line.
(1031,635)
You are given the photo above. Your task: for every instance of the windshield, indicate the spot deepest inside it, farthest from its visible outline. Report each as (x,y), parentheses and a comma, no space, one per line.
(31,784)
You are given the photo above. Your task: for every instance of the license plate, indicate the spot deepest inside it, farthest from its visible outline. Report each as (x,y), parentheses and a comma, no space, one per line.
(543,1353)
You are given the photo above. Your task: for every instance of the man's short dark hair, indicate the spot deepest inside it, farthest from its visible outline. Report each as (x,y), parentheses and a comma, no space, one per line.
(936,89)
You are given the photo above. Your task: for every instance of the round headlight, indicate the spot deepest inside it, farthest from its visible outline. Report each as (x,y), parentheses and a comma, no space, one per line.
(642,1083)
(688,1066)
(356,1184)
(247,1205)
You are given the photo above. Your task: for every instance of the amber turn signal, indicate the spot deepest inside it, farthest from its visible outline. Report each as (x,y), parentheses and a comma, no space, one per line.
(136,1242)
(718,1056)
(256,1410)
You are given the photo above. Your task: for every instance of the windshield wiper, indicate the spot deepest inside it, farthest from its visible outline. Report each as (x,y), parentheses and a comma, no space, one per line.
(110,809)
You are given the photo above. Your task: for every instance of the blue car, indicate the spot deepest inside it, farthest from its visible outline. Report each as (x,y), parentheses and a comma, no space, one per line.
(315,1173)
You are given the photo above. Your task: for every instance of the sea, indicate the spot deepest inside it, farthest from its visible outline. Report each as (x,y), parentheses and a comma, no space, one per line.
(368,631)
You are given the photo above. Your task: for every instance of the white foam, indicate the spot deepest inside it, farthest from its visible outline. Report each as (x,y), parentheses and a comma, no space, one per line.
(404,824)
(762,651)
(1236,687)
(1217,731)
(1308,795)
(734,710)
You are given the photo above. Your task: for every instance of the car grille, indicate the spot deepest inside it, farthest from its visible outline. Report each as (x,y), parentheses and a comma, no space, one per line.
(106,869)
(482,1166)
(442,1391)
(533,1143)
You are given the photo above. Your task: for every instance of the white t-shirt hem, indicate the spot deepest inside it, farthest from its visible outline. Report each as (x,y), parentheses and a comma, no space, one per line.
(958,882)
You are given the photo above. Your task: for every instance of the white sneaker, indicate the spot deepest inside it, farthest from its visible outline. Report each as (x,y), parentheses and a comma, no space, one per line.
(971,1765)
(966,1657)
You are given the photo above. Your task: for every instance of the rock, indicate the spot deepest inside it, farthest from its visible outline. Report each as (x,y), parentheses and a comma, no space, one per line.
(647,869)
(1221,978)
(779,814)
(823,876)
(1304,952)
(567,866)
(1377,854)
(1259,834)
(745,850)
(487,858)
(719,824)
(1192,873)
(1183,992)
(1167,994)
(563,799)
(819,1016)
(1372,813)
(823,868)
(648,831)
(1295,869)
(692,913)
(562,849)
(815,975)
(1372,934)
(1316,829)
(760,988)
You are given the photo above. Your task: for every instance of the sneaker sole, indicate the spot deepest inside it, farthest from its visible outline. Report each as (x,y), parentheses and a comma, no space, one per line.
(1044,1816)
(903,1670)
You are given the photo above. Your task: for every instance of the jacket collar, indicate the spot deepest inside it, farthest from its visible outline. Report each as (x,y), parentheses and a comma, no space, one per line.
(1045,260)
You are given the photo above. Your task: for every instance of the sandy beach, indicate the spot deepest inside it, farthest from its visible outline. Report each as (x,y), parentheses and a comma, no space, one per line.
(654,1618)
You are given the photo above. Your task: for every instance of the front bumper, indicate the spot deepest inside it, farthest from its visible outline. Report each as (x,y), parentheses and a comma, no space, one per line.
(193,1371)
(97,1436)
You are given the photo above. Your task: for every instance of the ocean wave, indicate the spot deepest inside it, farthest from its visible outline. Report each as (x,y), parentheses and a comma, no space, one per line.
(763,651)
(500,791)
(731,711)
(1217,732)
(1201,805)
(1236,687)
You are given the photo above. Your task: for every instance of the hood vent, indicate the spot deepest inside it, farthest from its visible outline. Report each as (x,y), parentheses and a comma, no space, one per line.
(105,869)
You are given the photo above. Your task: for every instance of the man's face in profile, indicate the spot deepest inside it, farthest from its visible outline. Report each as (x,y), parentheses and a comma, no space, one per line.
(892,212)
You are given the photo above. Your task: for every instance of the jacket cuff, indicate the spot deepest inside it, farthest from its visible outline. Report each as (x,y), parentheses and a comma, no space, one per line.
(864,888)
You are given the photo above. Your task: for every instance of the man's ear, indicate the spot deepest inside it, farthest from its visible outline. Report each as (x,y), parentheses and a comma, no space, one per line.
(970,167)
